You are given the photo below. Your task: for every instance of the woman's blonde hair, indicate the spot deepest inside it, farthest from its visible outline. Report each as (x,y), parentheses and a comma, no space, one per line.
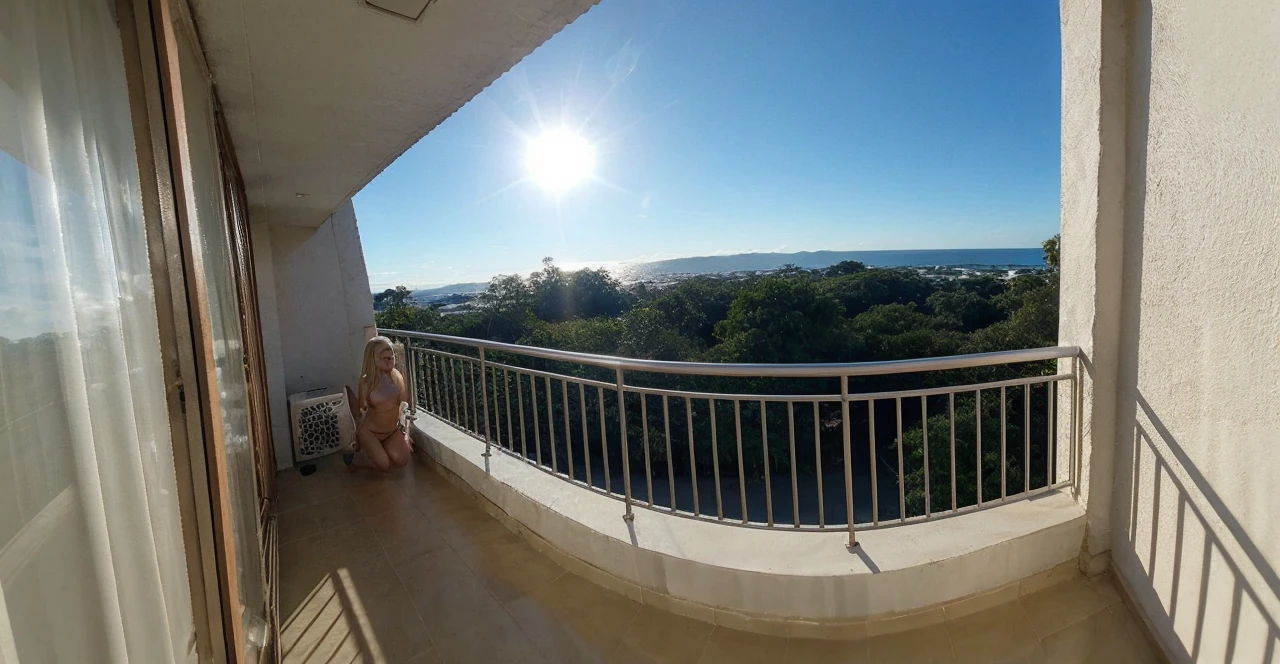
(369,375)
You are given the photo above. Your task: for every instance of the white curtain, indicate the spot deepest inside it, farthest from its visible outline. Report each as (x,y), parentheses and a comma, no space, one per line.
(91,552)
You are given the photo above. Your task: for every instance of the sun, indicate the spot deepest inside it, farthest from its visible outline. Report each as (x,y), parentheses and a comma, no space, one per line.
(559,159)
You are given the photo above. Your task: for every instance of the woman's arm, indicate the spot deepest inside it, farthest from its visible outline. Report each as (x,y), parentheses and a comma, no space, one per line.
(404,393)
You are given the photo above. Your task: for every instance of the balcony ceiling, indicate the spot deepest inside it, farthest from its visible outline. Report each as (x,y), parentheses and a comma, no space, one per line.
(321,95)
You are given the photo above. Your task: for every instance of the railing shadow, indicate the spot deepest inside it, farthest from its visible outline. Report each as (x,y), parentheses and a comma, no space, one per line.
(1210,593)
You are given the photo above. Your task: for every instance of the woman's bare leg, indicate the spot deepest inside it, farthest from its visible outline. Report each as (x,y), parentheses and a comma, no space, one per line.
(399,449)
(372,448)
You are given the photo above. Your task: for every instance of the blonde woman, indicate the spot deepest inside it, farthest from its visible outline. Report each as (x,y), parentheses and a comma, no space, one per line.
(381,431)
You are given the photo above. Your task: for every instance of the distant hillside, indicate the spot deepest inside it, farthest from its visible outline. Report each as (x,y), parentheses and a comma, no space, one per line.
(1030,257)
(1011,258)
(428,293)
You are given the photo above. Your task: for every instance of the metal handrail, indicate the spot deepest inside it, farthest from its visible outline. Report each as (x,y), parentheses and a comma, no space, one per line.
(445,384)
(811,370)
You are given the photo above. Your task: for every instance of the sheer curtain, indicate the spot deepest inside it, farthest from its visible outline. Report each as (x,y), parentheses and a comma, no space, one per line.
(91,550)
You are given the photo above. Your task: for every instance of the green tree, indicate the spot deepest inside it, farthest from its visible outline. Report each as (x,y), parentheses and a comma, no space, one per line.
(963,310)
(779,320)
(844,267)
(862,290)
(1051,249)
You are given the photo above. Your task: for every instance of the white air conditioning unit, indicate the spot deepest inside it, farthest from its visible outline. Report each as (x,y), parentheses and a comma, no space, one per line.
(322,423)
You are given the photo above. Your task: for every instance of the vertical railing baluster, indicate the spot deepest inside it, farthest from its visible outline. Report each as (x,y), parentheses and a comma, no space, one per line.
(1004,431)
(742,474)
(506,390)
(817,456)
(1026,437)
(644,434)
(626,461)
(441,389)
(671,471)
(586,444)
(1050,432)
(795,486)
(429,378)
(466,395)
(497,406)
(484,399)
(568,430)
(977,408)
(453,391)
(871,443)
(764,448)
(693,464)
(537,427)
(524,437)
(924,431)
(848,457)
(604,441)
(411,380)
(715,460)
(551,426)
(902,478)
(474,422)
(951,417)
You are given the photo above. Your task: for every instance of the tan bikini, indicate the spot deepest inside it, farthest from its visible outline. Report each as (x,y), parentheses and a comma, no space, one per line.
(385,397)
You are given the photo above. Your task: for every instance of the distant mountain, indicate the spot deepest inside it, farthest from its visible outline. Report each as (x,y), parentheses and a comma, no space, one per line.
(451,289)
(1030,257)
(1011,258)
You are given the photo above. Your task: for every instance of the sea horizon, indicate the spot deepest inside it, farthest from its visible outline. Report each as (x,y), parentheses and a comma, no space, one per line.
(630,271)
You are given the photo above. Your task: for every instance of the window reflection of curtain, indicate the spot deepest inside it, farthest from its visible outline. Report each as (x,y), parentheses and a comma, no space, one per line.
(91,550)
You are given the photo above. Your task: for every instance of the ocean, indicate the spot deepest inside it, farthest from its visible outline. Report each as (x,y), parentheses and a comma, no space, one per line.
(1010,258)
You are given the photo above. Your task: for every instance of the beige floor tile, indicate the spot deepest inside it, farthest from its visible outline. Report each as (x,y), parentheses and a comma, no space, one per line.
(927,645)
(358,613)
(512,569)
(574,620)
(486,633)
(428,656)
(728,646)
(1000,634)
(317,517)
(1106,588)
(377,500)
(827,651)
(306,563)
(293,490)
(406,534)
(658,636)
(1111,635)
(1054,608)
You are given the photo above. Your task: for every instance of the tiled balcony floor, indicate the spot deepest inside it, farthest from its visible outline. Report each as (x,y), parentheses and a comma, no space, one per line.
(408,568)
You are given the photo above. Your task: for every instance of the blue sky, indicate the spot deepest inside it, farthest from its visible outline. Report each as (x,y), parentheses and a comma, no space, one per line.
(727,127)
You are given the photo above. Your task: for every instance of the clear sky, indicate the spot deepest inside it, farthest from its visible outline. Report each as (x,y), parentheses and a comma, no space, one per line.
(732,126)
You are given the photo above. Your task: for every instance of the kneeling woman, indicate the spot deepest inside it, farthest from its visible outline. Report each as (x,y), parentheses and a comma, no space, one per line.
(381,433)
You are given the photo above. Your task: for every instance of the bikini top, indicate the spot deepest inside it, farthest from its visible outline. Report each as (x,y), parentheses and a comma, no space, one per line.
(385,394)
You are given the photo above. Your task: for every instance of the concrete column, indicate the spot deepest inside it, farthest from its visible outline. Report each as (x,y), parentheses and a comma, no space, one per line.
(1094,57)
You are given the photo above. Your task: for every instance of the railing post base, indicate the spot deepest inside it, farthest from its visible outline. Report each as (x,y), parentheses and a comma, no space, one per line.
(629,517)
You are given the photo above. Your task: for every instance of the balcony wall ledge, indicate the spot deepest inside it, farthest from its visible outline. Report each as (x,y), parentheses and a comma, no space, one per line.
(773,581)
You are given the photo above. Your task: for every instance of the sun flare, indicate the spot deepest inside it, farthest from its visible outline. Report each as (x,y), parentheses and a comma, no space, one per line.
(559,159)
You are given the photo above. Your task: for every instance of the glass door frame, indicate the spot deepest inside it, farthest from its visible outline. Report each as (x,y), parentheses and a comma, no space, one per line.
(149,32)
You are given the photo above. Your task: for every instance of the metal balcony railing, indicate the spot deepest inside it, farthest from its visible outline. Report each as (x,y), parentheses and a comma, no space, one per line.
(797,446)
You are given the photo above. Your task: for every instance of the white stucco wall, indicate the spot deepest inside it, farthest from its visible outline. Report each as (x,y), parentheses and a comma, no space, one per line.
(1195,516)
(323,312)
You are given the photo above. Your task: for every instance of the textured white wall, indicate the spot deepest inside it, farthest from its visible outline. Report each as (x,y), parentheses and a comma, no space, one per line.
(1195,520)
(323,306)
